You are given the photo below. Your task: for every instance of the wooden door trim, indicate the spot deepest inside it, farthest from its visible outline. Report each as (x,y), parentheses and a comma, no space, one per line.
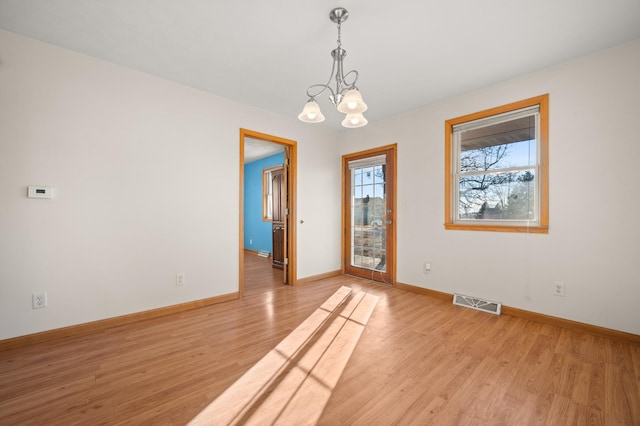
(291,189)
(393,149)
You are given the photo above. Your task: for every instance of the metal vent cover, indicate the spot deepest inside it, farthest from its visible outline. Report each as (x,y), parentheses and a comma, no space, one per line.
(477,303)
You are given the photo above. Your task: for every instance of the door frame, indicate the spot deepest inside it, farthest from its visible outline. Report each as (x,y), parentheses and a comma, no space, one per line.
(291,191)
(391,230)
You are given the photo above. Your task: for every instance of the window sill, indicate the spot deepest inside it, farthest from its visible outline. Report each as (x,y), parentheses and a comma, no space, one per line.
(498,228)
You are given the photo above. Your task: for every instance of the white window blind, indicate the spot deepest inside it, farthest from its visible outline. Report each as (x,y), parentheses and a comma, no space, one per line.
(378,160)
(495,119)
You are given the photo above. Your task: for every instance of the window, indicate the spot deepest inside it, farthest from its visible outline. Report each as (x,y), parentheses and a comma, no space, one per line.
(267,192)
(497,169)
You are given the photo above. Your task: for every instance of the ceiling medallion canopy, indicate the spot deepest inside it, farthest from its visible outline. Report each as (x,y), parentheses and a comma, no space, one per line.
(345,96)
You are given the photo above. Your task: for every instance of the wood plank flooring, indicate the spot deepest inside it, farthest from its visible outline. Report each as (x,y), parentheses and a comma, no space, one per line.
(420,360)
(294,381)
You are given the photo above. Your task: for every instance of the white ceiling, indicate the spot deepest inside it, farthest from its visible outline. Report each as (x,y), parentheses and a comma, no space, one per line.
(255,149)
(266,53)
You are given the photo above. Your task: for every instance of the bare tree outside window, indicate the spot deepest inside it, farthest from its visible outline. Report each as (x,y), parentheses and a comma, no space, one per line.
(491,195)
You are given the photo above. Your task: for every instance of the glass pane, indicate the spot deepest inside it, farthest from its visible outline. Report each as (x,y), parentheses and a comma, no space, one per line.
(502,145)
(367,175)
(367,191)
(378,190)
(498,196)
(369,248)
(357,193)
(378,174)
(357,176)
(368,231)
(517,154)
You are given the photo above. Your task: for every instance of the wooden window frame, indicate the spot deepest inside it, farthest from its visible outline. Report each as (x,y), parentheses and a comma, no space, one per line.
(543,161)
(266,173)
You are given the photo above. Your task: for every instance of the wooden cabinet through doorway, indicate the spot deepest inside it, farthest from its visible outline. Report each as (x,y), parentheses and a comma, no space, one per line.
(278,218)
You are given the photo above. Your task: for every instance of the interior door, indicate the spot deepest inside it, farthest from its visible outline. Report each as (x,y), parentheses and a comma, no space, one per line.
(369,214)
(285,214)
(280,218)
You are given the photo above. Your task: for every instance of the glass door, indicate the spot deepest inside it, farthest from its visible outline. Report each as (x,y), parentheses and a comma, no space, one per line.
(369,214)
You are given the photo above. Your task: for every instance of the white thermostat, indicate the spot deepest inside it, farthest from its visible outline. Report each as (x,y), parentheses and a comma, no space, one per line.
(40,192)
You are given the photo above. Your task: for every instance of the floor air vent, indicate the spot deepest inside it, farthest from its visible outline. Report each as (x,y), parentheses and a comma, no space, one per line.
(479,304)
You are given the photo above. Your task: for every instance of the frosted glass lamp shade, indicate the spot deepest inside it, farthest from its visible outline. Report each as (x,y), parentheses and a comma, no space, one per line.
(354,120)
(352,102)
(311,113)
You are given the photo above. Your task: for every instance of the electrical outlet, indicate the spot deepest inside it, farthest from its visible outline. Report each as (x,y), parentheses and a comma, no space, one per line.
(558,289)
(39,300)
(181,279)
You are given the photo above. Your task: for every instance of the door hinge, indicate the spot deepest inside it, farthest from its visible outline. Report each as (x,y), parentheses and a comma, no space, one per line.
(286,211)
(286,260)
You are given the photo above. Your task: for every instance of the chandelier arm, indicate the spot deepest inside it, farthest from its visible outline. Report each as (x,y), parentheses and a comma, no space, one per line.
(355,80)
(324,86)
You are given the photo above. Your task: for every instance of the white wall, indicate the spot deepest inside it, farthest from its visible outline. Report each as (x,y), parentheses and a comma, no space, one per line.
(593,245)
(146,184)
(146,180)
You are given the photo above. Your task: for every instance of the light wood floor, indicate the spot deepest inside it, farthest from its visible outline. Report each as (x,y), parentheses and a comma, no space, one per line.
(419,361)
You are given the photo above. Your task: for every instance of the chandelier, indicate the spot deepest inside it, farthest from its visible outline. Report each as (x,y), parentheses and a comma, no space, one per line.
(346,96)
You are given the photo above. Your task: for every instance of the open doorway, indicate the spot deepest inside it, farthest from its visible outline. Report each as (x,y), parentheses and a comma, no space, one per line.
(279,216)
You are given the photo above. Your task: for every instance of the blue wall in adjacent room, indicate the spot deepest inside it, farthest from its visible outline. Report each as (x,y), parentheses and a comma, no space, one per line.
(257,233)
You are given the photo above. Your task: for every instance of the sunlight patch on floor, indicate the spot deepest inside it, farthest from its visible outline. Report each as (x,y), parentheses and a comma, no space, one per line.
(293,382)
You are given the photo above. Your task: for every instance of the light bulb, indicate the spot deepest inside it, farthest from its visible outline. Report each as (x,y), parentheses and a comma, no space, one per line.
(311,112)
(352,102)
(353,120)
